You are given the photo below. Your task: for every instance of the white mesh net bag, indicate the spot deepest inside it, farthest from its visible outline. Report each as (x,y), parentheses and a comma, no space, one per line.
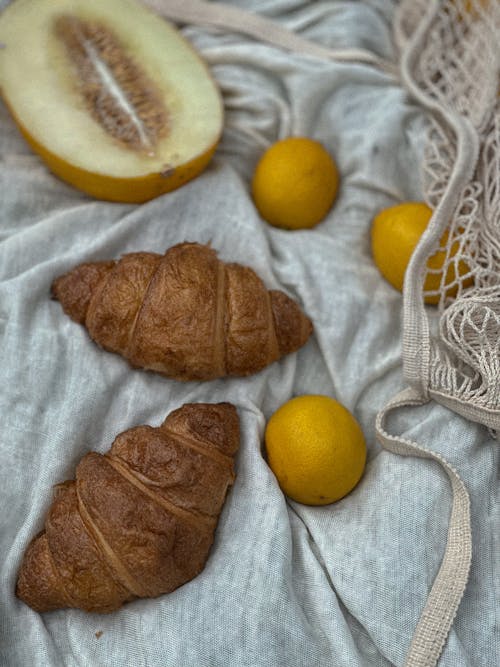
(450,63)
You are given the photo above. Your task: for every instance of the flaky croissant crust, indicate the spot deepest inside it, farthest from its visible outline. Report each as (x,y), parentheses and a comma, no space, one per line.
(138,521)
(185,314)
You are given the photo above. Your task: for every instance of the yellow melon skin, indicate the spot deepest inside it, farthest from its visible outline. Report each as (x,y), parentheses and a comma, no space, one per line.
(110,188)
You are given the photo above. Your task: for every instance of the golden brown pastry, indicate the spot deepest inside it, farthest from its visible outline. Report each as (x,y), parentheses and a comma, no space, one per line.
(185,314)
(139,520)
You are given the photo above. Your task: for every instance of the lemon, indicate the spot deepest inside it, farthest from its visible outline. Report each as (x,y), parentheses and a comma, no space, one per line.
(315,448)
(473,8)
(295,183)
(395,234)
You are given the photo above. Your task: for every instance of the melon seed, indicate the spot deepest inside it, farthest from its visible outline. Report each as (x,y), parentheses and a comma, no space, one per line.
(117,92)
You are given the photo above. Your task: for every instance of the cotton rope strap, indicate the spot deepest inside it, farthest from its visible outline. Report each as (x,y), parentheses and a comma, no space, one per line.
(449,585)
(444,598)
(227,17)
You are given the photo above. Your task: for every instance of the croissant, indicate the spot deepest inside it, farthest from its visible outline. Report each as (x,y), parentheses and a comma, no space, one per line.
(184,314)
(139,520)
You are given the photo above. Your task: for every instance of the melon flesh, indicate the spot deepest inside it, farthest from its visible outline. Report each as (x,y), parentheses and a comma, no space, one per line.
(109,90)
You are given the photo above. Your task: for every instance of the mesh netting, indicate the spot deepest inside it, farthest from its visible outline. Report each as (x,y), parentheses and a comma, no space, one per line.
(451,59)
(450,63)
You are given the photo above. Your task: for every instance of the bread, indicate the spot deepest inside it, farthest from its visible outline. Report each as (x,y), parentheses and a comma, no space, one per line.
(138,521)
(185,314)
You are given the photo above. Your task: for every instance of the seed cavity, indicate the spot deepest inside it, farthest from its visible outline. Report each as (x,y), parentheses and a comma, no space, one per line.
(118,93)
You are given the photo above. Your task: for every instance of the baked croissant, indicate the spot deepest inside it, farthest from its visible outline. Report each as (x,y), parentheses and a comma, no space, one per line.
(139,520)
(185,314)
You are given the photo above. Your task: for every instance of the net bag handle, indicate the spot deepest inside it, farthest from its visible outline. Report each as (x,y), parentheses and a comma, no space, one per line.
(450,583)
(220,15)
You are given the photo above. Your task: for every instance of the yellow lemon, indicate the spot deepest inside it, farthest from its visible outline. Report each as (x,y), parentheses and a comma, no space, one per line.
(315,448)
(473,7)
(396,232)
(295,183)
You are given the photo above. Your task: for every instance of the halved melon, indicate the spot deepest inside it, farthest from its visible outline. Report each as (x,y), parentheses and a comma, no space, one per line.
(111,96)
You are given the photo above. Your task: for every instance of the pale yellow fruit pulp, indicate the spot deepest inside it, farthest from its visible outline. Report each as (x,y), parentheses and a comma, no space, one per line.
(39,86)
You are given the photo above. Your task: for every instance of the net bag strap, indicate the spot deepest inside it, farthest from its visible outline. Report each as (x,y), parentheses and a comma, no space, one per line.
(449,585)
(222,15)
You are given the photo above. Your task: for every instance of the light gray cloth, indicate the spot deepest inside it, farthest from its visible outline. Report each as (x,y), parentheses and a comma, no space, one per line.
(285,585)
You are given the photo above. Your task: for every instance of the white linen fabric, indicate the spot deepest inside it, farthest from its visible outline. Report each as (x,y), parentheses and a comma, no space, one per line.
(285,584)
